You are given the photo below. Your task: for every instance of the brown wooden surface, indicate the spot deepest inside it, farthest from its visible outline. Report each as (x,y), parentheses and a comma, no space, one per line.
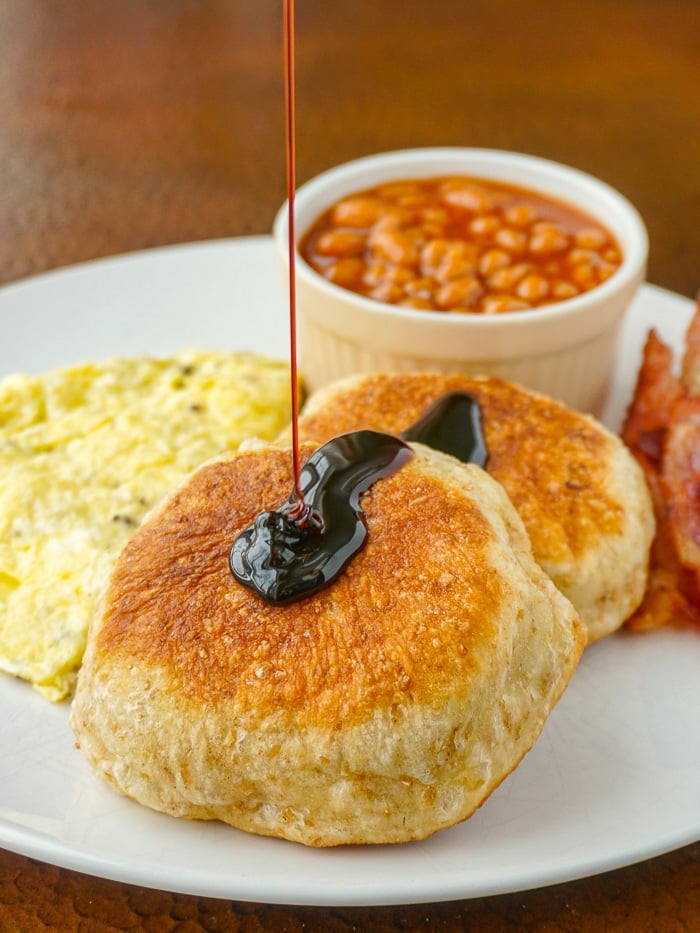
(126,124)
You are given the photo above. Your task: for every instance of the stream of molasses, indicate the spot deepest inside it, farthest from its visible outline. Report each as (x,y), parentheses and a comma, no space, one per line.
(304,545)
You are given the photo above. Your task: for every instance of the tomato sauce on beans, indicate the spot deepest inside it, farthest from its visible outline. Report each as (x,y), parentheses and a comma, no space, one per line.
(460,244)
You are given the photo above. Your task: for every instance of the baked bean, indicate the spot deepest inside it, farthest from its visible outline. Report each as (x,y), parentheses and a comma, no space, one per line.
(563,290)
(591,238)
(357,212)
(492,260)
(456,265)
(505,280)
(460,244)
(548,242)
(435,215)
(414,202)
(467,196)
(498,304)
(515,241)
(520,215)
(392,218)
(532,288)
(584,276)
(419,288)
(378,272)
(433,254)
(460,293)
(434,221)
(346,272)
(484,226)
(340,243)
(418,304)
(447,259)
(397,246)
(387,292)
(547,226)
(581,257)
(605,270)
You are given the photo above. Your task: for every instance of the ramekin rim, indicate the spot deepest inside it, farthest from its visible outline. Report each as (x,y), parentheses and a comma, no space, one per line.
(634,258)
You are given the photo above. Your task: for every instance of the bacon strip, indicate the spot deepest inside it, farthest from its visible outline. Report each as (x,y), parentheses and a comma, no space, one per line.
(655,396)
(680,480)
(662,429)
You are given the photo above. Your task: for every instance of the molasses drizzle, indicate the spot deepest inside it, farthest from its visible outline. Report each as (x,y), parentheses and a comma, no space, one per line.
(453,424)
(291,552)
(304,545)
(290,147)
(282,557)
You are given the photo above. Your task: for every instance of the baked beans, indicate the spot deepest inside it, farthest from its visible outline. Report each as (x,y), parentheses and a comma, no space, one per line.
(460,244)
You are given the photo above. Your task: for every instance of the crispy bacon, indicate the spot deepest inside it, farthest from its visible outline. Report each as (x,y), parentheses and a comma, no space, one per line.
(663,604)
(662,429)
(672,596)
(655,396)
(680,481)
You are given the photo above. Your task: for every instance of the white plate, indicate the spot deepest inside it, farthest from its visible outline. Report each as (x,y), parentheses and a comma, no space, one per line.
(613,779)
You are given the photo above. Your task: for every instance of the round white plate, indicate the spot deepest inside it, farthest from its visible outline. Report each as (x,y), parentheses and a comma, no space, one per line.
(613,779)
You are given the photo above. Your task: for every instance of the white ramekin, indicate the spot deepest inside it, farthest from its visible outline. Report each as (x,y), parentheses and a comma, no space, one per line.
(566,350)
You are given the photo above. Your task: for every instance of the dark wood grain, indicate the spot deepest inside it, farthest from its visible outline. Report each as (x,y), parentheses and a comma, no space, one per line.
(132,123)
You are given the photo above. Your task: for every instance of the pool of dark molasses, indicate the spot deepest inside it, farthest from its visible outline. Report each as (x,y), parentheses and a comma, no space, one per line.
(298,549)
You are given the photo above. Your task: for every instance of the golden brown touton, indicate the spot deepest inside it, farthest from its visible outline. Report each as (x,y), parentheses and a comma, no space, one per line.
(380,709)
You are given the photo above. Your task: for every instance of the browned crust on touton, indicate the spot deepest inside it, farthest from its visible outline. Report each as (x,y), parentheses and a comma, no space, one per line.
(173,604)
(552,461)
(582,498)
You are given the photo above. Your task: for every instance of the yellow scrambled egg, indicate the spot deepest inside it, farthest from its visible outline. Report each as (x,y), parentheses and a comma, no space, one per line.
(85,452)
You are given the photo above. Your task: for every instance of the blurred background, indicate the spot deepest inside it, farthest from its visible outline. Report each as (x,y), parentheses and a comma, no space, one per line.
(132,123)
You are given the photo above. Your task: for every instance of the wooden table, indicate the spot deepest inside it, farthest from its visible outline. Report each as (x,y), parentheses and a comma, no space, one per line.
(127,124)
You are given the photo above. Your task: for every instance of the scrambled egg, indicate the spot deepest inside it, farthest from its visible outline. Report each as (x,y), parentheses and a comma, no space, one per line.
(85,452)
